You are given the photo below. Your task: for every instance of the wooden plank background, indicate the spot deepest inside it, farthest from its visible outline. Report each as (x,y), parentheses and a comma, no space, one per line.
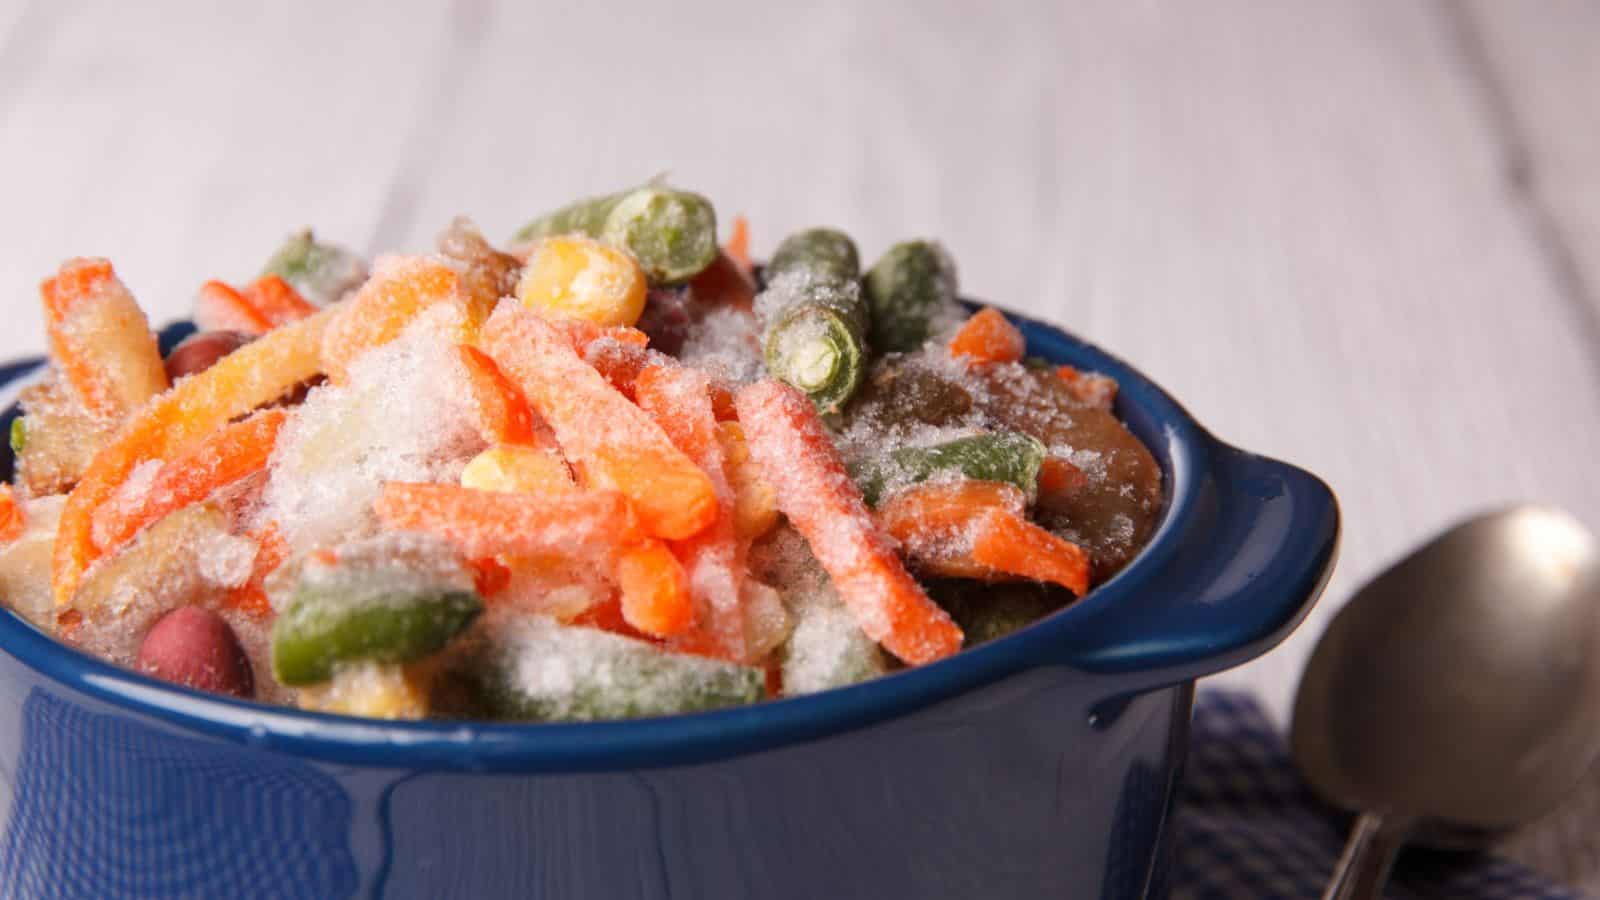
(1364,236)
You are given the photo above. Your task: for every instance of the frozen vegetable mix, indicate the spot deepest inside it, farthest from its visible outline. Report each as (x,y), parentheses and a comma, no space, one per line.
(609,470)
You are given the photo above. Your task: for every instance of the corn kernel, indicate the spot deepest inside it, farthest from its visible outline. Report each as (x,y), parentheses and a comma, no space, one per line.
(575,277)
(517,469)
(373,690)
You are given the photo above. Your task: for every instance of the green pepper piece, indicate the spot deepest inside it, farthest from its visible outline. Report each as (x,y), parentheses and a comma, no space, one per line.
(330,623)
(822,252)
(908,291)
(672,233)
(320,271)
(19,435)
(1008,456)
(536,668)
(816,335)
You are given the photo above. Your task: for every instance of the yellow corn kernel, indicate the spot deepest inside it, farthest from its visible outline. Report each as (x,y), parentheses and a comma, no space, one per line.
(517,469)
(755,503)
(373,690)
(574,277)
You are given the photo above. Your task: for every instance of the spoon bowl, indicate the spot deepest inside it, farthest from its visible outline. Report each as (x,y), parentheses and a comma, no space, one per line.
(1462,686)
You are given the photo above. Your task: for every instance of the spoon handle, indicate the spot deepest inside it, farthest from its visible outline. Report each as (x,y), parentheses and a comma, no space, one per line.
(1363,868)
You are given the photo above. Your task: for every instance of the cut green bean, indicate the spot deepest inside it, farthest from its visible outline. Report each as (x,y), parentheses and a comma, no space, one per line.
(816,318)
(320,271)
(820,252)
(908,292)
(384,620)
(538,669)
(827,649)
(672,233)
(1008,456)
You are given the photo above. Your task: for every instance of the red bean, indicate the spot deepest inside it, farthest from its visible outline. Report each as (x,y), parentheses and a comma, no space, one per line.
(194,647)
(200,351)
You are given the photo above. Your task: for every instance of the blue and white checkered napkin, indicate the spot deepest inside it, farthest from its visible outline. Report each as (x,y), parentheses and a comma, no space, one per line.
(1249,827)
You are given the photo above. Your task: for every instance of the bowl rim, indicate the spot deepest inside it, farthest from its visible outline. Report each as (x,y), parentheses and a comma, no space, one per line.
(1180,445)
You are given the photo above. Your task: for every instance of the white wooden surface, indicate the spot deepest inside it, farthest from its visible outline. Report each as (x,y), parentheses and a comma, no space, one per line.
(1359,236)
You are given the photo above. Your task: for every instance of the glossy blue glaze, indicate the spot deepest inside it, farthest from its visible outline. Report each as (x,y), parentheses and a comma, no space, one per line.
(1041,765)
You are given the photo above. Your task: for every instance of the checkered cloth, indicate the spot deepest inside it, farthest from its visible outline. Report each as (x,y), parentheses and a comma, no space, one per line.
(1249,827)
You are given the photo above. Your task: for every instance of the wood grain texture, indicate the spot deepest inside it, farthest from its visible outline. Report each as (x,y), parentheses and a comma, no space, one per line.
(1298,219)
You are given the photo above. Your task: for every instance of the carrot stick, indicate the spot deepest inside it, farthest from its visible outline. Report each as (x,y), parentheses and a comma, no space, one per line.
(11,520)
(100,341)
(277,301)
(221,307)
(195,473)
(679,399)
(488,523)
(1011,544)
(988,337)
(253,375)
(503,413)
(976,529)
(612,443)
(788,440)
(655,589)
(400,288)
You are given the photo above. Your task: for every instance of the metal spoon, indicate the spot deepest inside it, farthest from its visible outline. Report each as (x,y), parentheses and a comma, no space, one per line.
(1458,693)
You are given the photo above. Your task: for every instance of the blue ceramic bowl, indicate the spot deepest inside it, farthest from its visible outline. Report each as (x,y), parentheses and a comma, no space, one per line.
(1042,765)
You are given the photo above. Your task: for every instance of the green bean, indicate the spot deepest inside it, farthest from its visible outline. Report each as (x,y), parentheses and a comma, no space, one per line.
(331,623)
(908,291)
(672,233)
(321,272)
(827,649)
(819,252)
(816,330)
(1008,456)
(19,435)
(536,668)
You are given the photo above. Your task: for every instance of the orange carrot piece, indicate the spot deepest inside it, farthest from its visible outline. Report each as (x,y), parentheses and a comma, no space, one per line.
(489,576)
(612,443)
(679,399)
(1008,543)
(580,333)
(1057,477)
(607,616)
(11,520)
(77,280)
(489,523)
(503,413)
(100,340)
(276,301)
(398,291)
(788,440)
(988,337)
(195,473)
(655,589)
(976,529)
(253,375)
(1090,387)
(738,245)
(251,597)
(755,503)
(220,306)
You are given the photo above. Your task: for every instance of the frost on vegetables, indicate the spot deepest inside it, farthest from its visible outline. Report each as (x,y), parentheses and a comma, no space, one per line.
(610,470)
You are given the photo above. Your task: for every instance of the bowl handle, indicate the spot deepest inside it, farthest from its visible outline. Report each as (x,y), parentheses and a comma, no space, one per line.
(1255,549)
